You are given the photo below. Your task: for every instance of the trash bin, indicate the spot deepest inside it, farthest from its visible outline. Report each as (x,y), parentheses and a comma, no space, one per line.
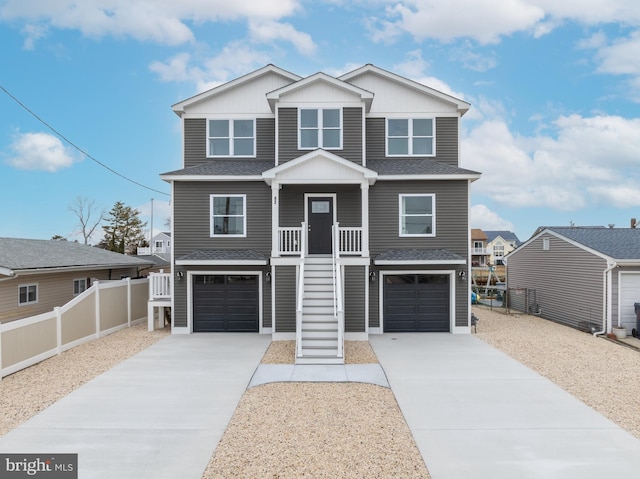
(636,331)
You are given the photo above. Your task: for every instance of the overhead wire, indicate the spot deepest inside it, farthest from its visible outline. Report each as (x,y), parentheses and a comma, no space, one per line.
(60,135)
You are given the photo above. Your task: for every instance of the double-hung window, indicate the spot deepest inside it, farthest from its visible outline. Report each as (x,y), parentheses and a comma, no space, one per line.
(27,294)
(417,215)
(79,285)
(410,137)
(228,215)
(320,128)
(231,138)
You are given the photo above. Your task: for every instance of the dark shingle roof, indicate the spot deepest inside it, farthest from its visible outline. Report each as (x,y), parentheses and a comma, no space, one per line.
(505,235)
(232,255)
(414,166)
(618,243)
(23,254)
(402,255)
(236,167)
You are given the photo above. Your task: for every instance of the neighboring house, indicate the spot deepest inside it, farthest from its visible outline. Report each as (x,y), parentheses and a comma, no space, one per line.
(479,252)
(499,244)
(38,275)
(587,278)
(158,251)
(287,179)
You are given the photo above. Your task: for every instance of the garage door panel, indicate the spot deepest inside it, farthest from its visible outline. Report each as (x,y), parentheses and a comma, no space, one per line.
(418,302)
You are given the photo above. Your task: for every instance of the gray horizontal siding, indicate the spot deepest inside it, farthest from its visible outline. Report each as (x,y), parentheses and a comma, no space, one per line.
(285,285)
(195,141)
(192,222)
(348,199)
(446,139)
(354,298)
(567,281)
(451,216)
(351,135)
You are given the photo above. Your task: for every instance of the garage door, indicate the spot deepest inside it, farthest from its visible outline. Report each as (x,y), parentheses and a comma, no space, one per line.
(225,303)
(629,294)
(416,302)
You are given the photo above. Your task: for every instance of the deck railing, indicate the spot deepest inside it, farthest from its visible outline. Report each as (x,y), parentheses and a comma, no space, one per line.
(300,295)
(159,286)
(290,240)
(338,308)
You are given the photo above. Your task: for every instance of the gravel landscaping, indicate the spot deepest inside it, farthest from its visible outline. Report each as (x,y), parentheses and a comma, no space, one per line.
(346,430)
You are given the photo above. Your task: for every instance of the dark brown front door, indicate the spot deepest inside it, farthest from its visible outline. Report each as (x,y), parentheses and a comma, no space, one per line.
(320,216)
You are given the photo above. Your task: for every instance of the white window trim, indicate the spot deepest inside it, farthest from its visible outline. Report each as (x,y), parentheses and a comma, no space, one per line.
(28,303)
(77,280)
(244,216)
(545,244)
(320,128)
(409,119)
(433,215)
(231,137)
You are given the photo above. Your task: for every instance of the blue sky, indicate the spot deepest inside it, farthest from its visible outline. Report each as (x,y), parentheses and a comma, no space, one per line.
(554,87)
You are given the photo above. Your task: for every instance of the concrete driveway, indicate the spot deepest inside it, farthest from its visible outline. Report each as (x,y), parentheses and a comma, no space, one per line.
(477,413)
(157,415)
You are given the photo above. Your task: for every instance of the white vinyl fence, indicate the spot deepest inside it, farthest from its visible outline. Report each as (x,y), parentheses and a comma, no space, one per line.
(104,308)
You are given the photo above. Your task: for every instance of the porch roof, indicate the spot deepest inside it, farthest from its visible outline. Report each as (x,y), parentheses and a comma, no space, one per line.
(419,256)
(417,167)
(221,257)
(221,168)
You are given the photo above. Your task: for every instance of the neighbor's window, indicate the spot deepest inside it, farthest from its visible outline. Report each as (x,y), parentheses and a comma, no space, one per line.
(228,215)
(231,138)
(410,137)
(417,215)
(79,285)
(545,244)
(27,294)
(320,128)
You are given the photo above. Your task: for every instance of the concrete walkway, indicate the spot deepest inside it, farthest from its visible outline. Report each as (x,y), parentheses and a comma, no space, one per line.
(477,413)
(157,415)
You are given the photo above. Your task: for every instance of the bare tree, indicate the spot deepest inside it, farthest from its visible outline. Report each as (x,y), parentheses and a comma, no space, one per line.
(89,216)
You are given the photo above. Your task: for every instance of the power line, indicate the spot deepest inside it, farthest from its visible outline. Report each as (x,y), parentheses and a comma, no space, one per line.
(76,146)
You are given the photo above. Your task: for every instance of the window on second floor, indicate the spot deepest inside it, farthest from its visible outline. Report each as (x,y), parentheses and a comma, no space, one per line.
(417,215)
(228,215)
(478,247)
(320,128)
(27,294)
(231,138)
(498,250)
(410,137)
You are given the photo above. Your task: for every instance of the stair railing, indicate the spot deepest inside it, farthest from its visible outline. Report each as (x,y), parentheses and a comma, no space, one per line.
(300,290)
(338,308)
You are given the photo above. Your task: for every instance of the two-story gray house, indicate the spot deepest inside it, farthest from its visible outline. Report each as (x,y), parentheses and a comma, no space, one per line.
(321,207)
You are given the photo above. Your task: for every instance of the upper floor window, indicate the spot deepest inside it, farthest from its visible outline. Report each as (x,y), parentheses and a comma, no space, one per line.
(410,137)
(231,138)
(320,128)
(498,250)
(545,244)
(27,294)
(228,215)
(79,285)
(417,215)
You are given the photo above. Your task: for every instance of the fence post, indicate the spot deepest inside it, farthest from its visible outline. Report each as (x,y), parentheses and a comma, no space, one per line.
(128,301)
(58,329)
(97,285)
(1,352)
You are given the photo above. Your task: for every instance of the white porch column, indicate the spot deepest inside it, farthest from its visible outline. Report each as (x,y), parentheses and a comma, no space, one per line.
(275,218)
(364,194)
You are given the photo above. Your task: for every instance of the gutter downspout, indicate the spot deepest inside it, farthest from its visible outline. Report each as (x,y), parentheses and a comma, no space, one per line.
(605,304)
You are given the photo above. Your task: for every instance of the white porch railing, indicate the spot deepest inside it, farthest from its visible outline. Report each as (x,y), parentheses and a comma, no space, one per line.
(480,250)
(300,296)
(159,286)
(290,240)
(338,308)
(149,250)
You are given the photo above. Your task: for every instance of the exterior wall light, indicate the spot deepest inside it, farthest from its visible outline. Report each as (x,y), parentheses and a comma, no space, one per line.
(372,277)
(462,274)
(267,277)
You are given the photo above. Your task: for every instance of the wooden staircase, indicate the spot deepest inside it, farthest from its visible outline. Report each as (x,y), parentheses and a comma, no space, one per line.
(319,332)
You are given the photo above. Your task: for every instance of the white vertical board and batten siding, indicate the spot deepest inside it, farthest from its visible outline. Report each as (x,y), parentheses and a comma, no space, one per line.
(568,280)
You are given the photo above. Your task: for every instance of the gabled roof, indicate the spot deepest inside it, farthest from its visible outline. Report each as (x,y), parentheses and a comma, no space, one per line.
(505,235)
(478,234)
(19,255)
(274,96)
(461,105)
(179,107)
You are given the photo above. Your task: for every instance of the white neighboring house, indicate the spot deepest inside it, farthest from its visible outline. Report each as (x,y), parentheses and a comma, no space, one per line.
(500,244)
(158,251)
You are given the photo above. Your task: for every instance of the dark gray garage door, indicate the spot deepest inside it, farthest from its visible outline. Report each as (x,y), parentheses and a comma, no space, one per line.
(416,302)
(225,303)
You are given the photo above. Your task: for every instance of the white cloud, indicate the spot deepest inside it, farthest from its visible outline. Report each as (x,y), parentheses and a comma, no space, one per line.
(39,151)
(580,162)
(267,31)
(621,56)
(482,217)
(160,21)
(414,67)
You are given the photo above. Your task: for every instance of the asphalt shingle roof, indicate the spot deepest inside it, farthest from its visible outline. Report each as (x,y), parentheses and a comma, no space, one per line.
(618,243)
(236,167)
(400,255)
(23,254)
(223,255)
(505,235)
(414,166)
